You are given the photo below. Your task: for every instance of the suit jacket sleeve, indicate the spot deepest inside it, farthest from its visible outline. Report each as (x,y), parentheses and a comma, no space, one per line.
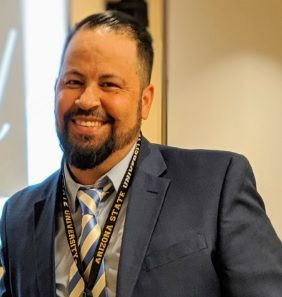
(249,250)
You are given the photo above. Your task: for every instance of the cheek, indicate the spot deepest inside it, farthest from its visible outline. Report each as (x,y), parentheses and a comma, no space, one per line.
(114,108)
(122,108)
(62,106)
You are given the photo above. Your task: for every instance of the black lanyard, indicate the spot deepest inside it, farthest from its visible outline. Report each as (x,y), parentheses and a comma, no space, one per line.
(108,228)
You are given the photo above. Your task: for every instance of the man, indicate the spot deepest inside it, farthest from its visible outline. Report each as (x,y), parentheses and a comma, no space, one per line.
(187,223)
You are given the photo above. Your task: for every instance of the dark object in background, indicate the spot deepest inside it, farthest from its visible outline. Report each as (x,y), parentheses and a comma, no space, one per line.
(136,8)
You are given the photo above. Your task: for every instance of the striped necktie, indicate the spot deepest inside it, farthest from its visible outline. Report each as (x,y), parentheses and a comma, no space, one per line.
(90,233)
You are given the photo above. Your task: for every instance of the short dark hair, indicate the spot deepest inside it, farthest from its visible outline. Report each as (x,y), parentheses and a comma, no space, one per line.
(119,21)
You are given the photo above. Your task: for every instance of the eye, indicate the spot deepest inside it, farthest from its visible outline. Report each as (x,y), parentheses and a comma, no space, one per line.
(109,85)
(73,83)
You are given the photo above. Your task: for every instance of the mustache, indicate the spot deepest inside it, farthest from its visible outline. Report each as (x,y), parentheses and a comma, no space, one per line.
(101,115)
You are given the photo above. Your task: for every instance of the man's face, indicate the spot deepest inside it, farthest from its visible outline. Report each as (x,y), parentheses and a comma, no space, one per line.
(100,102)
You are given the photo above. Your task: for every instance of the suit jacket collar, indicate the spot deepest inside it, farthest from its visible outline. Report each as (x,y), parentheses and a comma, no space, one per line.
(146,197)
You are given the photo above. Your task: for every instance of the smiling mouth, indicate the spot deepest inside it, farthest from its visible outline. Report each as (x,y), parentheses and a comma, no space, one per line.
(84,123)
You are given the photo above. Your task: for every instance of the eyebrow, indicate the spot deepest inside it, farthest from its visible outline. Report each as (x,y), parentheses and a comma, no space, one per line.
(73,72)
(102,76)
(111,75)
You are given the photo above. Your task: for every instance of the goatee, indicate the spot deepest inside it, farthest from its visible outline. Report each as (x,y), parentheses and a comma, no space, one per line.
(80,152)
(85,157)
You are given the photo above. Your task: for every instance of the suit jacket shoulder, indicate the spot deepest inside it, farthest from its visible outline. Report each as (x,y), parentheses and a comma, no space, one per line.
(202,162)
(34,193)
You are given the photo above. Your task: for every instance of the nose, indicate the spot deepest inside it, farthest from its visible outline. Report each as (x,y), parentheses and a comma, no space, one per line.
(90,98)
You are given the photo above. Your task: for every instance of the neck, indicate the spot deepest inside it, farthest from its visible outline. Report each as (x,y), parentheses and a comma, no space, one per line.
(90,176)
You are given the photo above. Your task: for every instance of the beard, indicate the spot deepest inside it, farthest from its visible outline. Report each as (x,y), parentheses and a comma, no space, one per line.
(86,151)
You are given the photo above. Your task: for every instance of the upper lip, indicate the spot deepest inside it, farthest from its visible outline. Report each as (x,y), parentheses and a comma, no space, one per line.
(89,119)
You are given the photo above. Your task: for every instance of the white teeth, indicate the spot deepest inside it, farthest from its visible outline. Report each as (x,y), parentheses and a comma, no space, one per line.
(89,123)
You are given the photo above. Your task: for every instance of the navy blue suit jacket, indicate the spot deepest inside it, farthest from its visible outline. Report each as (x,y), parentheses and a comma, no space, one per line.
(195,227)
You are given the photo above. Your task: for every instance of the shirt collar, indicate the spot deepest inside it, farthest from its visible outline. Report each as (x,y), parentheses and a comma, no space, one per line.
(115,174)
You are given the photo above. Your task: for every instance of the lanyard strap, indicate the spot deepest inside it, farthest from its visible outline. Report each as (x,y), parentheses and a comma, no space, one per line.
(108,227)
(69,226)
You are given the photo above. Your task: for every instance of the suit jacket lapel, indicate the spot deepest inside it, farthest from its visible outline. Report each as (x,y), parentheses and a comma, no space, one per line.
(44,233)
(145,201)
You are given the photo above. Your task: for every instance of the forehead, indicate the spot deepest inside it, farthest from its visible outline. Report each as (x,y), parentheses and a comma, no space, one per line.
(102,42)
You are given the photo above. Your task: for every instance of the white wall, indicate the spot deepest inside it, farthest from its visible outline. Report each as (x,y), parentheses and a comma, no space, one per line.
(13,150)
(31,40)
(44,25)
(225,84)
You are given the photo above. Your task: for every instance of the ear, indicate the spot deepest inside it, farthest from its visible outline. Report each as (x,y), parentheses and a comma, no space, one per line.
(147,99)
